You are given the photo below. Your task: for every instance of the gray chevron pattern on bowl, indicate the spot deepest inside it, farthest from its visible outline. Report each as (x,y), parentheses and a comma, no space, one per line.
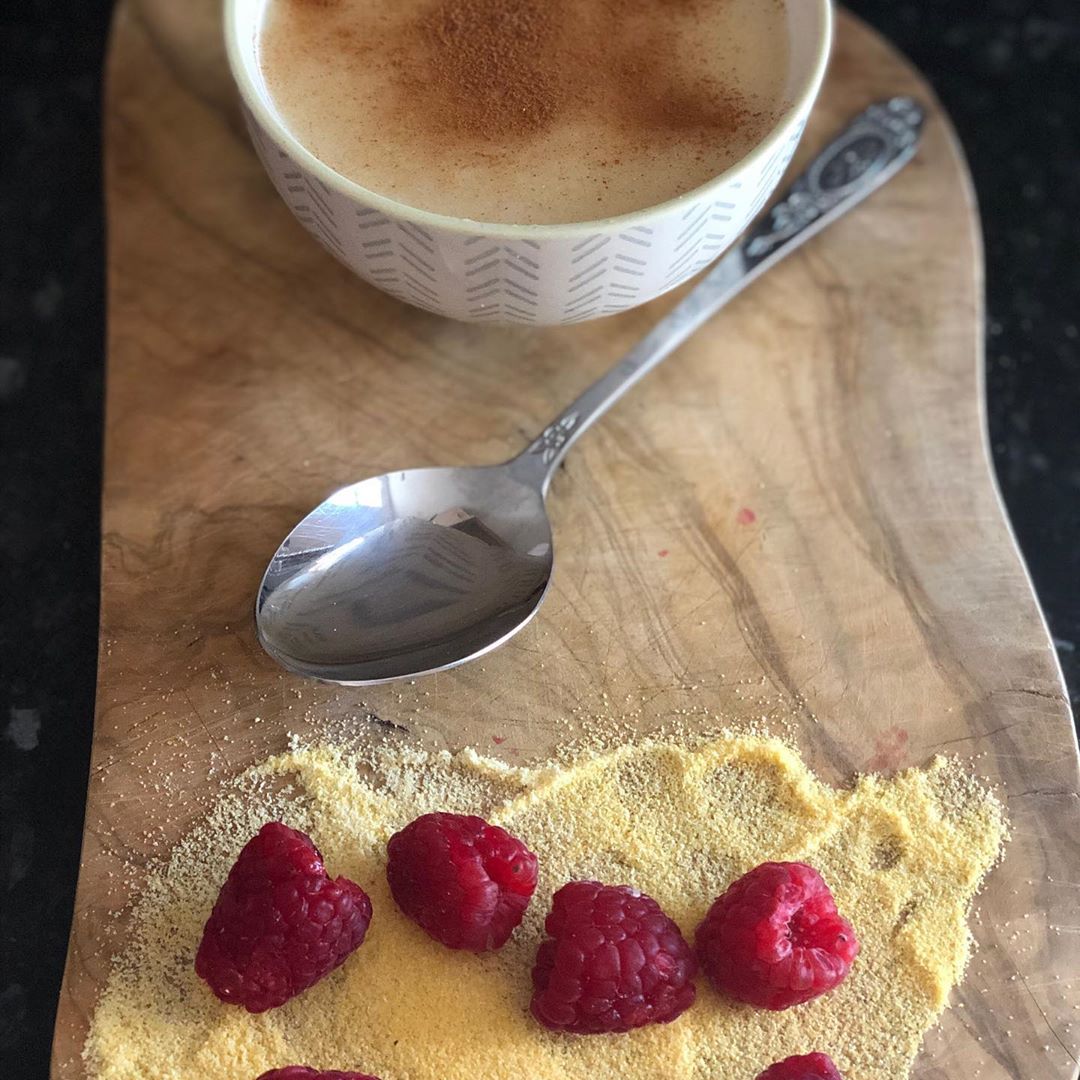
(541,276)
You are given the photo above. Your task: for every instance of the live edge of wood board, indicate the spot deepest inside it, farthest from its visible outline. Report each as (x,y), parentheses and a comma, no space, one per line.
(794,518)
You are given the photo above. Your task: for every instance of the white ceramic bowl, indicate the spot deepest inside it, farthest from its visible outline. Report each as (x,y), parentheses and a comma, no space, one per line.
(535,274)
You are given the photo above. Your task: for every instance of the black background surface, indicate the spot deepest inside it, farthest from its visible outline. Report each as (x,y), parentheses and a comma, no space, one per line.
(1007,70)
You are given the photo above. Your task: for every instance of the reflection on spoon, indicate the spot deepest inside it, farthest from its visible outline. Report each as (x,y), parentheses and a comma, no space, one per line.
(406,585)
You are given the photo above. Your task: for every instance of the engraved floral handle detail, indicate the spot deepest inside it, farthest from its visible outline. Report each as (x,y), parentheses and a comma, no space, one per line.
(884,135)
(866,154)
(553,438)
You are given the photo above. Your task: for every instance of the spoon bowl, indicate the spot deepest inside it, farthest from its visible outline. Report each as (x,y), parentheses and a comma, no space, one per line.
(407,573)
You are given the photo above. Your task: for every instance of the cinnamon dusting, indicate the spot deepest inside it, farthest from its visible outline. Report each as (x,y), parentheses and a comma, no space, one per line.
(528,111)
(499,70)
(490,63)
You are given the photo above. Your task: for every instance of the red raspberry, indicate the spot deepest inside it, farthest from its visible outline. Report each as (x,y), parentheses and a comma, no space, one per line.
(280,924)
(774,938)
(806,1067)
(301,1072)
(614,961)
(465,882)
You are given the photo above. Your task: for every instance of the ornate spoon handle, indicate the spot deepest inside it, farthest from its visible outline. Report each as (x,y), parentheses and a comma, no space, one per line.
(866,154)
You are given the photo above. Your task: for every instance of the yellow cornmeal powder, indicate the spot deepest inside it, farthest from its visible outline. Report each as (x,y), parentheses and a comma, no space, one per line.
(904,857)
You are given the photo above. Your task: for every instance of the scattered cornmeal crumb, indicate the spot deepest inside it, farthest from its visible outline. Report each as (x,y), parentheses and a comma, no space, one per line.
(904,856)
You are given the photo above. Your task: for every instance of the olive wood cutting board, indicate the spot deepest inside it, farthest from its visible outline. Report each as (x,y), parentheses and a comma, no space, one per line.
(794,518)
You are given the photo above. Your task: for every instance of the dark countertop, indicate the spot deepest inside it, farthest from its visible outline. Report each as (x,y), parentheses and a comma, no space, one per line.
(1007,70)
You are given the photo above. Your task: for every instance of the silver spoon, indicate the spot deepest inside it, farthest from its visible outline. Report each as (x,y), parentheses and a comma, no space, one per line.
(417,571)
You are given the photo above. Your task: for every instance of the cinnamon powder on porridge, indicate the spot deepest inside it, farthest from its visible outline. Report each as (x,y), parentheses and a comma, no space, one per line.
(503,69)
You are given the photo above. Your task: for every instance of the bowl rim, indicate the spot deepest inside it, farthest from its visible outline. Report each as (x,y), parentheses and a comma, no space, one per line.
(242,59)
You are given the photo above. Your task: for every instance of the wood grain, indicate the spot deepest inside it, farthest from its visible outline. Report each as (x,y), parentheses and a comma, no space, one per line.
(794,518)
